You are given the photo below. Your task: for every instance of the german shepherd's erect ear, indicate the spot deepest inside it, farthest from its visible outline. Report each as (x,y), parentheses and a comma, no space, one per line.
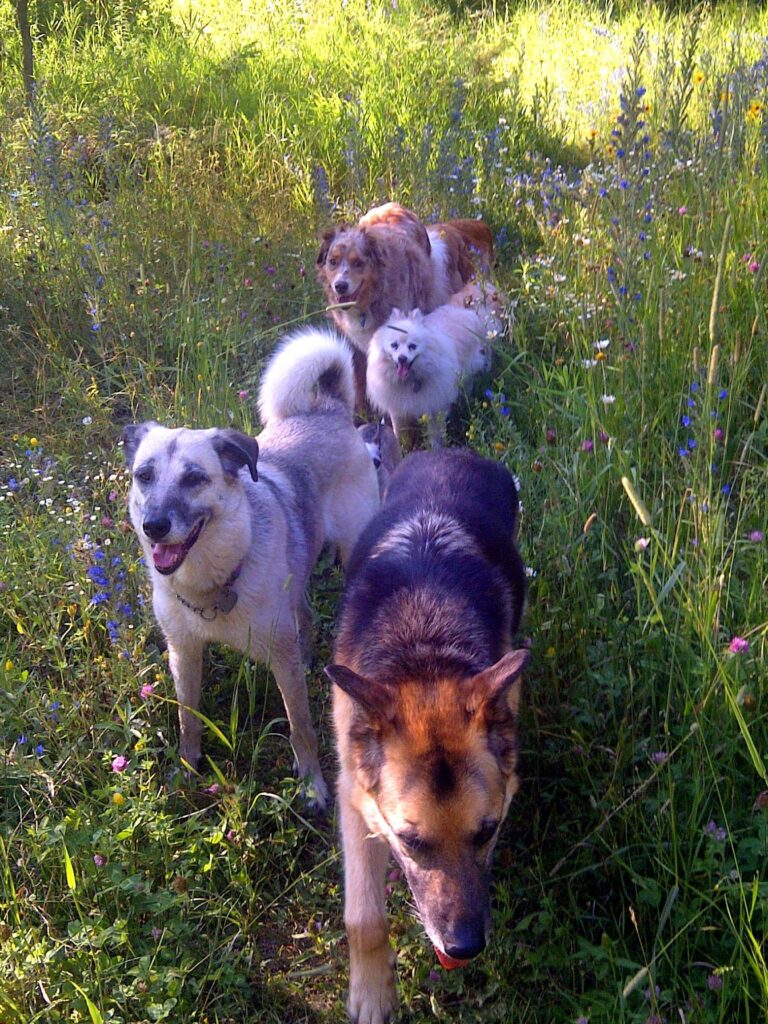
(236,450)
(493,695)
(374,707)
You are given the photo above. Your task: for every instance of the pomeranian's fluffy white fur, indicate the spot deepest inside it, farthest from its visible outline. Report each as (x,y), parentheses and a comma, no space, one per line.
(417,362)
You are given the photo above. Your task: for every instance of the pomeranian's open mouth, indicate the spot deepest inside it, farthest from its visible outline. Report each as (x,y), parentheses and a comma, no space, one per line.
(168,557)
(403,369)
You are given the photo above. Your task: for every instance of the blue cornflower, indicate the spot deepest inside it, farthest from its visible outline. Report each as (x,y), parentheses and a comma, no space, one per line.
(13,484)
(39,750)
(726,489)
(623,183)
(723,393)
(98,576)
(603,192)
(642,236)
(489,393)
(21,740)
(691,443)
(683,453)
(686,421)
(504,410)
(620,154)
(694,385)
(691,403)
(100,598)
(640,91)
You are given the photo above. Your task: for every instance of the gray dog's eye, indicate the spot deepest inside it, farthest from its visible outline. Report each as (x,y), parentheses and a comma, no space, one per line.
(193,479)
(394,345)
(411,347)
(144,476)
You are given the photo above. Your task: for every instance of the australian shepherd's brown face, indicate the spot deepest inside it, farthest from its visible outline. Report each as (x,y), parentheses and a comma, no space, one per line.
(347,266)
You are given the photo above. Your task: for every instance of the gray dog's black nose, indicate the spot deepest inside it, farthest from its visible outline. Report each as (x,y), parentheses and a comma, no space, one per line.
(402,359)
(156,528)
(342,287)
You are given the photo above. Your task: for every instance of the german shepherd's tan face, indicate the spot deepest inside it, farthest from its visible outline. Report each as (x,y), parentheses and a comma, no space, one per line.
(437,764)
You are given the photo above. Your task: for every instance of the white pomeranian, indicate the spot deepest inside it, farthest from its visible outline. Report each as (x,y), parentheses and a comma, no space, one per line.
(417,362)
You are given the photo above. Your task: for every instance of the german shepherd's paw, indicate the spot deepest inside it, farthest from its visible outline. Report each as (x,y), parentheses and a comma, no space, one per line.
(372,988)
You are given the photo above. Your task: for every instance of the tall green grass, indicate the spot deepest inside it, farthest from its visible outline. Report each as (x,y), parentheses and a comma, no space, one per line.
(160,209)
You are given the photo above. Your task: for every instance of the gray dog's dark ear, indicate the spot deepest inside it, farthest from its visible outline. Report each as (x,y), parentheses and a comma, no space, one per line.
(133,435)
(236,450)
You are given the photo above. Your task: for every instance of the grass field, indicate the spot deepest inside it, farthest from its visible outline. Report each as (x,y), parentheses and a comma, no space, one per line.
(159,215)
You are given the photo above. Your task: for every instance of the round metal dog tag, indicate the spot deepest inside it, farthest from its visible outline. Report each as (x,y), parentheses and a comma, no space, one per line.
(227,601)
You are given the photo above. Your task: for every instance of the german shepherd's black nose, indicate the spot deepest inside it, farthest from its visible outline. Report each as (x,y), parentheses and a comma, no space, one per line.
(466,941)
(156,528)
(341,287)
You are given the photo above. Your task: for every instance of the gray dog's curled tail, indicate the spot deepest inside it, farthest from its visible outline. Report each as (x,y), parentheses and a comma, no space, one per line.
(309,371)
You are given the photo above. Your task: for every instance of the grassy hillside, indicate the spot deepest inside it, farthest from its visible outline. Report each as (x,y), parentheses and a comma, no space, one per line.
(159,215)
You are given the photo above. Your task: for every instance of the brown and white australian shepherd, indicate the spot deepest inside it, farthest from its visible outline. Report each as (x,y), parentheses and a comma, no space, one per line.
(389,260)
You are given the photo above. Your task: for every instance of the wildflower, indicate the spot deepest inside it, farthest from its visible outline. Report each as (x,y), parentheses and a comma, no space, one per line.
(685,420)
(588,363)
(642,543)
(242,395)
(756,536)
(213,789)
(608,399)
(723,393)
(146,691)
(120,763)
(118,799)
(587,445)
(232,836)
(603,437)
(717,832)
(659,756)
(715,982)
(99,860)
(601,356)
(9,665)
(551,438)
(682,210)
(718,434)
(156,932)
(698,77)
(738,645)
(87,421)
(39,750)
(726,489)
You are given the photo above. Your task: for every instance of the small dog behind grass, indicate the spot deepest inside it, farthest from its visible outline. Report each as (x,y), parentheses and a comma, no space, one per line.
(232,526)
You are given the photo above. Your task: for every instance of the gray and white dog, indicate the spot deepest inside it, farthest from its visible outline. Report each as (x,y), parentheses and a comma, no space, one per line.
(232,526)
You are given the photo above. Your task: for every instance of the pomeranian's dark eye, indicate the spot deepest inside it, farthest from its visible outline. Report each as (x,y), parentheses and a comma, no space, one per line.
(145,475)
(411,347)
(393,345)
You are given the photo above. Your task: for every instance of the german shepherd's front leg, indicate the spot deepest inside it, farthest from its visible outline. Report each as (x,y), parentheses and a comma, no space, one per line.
(185,658)
(372,989)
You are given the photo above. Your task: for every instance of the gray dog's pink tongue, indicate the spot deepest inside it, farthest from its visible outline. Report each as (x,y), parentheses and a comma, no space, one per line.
(402,371)
(166,555)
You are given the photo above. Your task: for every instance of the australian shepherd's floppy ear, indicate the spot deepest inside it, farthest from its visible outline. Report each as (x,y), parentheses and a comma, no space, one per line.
(427,687)
(391,259)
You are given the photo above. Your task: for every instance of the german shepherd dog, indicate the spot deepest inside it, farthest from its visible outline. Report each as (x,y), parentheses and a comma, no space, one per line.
(425,701)
(232,526)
